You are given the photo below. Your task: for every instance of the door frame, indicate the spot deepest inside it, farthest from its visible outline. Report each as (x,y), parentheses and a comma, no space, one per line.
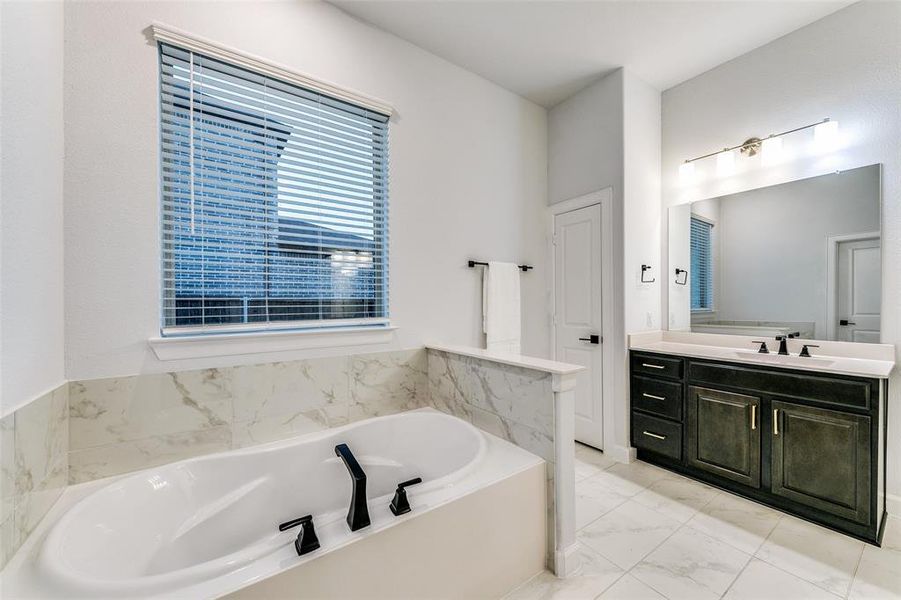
(604,198)
(832,243)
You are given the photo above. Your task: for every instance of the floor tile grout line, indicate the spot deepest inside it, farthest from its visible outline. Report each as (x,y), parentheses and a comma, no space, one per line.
(813,583)
(854,574)
(648,553)
(732,583)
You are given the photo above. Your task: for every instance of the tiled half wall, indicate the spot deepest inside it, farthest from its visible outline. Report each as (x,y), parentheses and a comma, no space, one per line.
(125,424)
(33,451)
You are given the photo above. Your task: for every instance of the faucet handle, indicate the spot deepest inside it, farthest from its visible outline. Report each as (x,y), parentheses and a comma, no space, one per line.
(399,504)
(307,540)
(763,349)
(805,352)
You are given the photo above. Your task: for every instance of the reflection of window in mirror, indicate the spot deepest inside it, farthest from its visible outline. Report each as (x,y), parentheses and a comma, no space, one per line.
(701,265)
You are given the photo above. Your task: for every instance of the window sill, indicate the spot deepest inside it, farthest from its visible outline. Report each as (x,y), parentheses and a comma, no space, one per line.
(230,344)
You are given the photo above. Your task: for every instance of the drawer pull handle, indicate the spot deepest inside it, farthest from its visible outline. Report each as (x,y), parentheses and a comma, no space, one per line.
(653,397)
(654,435)
(753,417)
(775,421)
(650,366)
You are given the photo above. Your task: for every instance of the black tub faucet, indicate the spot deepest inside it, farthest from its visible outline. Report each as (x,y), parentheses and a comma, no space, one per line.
(783,345)
(358,513)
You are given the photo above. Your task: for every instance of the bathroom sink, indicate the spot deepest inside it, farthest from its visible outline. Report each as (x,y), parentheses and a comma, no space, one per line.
(794,361)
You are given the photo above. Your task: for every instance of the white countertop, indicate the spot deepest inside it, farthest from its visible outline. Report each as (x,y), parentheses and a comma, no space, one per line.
(844,358)
(516,360)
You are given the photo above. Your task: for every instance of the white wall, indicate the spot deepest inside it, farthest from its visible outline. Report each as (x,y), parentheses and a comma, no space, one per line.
(641,204)
(468,173)
(608,135)
(585,141)
(845,66)
(31,214)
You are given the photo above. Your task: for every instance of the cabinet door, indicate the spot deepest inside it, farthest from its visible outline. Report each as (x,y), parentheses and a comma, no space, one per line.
(724,434)
(821,458)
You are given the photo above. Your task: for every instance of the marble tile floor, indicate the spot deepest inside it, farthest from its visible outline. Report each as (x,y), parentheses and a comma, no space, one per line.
(647,533)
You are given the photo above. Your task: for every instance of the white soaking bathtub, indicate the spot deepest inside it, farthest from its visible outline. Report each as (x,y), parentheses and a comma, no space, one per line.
(208,526)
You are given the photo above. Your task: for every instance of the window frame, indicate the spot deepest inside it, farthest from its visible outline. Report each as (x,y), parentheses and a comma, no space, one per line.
(347,328)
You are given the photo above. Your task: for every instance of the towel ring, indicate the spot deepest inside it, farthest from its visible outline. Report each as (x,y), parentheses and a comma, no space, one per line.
(684,279)
(643,269)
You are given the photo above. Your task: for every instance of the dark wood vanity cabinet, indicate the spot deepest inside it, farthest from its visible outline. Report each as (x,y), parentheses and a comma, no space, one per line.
(821,458)
(724,435)
(804,442)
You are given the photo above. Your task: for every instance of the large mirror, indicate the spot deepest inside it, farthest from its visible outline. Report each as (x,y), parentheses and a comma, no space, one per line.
(801,258)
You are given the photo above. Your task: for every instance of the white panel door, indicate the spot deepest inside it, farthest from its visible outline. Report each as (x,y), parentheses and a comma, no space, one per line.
(577,304)
(859,291)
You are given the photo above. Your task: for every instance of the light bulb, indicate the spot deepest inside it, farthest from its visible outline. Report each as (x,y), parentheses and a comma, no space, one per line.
(725,163)
(687,172)
(771,151)
(825,135)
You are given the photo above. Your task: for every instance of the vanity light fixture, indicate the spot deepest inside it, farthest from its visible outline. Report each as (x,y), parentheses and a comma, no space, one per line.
(771,151)
(825,136)
(687,172)
(725,163)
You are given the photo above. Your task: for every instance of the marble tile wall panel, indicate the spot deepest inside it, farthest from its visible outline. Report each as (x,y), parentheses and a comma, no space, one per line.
(34,444)
(125,424)
(387,382)
(513,403)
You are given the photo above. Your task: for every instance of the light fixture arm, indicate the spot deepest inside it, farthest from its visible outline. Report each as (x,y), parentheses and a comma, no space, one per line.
(755,142)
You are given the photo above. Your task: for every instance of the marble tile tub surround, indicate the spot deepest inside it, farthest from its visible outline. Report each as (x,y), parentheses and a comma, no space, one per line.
(123,424)
(846,358)
(34,442)
(527,401)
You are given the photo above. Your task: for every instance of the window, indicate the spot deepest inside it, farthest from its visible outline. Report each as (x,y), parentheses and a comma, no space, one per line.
(701,265)
(274,202)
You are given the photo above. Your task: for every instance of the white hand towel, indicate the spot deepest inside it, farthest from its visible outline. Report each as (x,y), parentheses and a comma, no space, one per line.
(501,314)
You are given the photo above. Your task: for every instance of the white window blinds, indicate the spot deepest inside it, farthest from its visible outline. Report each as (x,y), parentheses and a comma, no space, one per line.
(274,202)
(701,265)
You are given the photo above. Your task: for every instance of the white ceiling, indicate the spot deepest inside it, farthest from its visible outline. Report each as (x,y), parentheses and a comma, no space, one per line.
(548,50)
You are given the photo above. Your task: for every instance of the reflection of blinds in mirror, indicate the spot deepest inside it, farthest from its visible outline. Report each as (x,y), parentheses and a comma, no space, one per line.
(701,265)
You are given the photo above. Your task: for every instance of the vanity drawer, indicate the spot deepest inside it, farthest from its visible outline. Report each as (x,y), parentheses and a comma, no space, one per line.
(825,389)
(657,435)
(657,396)
(658,366)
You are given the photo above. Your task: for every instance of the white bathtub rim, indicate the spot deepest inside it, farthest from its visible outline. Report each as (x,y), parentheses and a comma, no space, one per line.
(21,576)
(221,565)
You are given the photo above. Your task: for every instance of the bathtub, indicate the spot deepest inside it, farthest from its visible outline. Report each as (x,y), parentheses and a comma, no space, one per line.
(208,526)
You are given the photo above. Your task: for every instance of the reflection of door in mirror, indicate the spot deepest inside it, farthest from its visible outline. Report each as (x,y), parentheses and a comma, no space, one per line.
(859,289)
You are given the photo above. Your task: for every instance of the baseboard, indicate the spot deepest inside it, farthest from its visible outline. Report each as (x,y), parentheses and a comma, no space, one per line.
(567,561)
(893,505)
(623,454)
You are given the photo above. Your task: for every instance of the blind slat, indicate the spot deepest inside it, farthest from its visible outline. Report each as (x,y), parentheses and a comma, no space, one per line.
(274,207)
(701,272)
